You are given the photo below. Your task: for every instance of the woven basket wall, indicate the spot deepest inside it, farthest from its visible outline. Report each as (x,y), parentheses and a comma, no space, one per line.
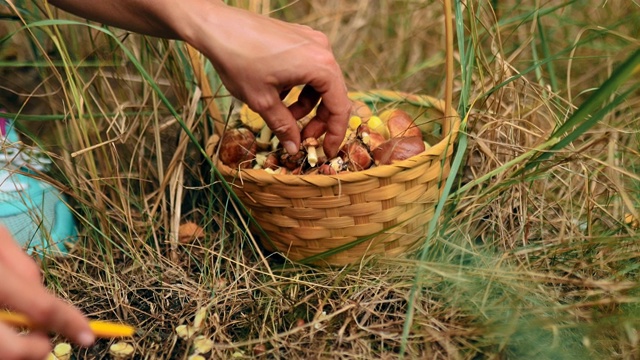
(339,219)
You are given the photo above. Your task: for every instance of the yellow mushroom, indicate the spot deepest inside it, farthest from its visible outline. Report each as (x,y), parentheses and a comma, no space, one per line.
(62,351)
(185,332)
(355,122)
(199,318)
(631,221)
(251,119)
(378,125)
(121,350)
(202,344)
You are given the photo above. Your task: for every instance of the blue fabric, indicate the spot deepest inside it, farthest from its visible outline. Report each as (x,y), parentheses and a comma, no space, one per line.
(34,211)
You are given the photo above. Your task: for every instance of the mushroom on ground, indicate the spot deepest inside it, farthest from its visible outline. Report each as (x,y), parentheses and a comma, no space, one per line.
(190,231)
(62,351)
(185,331)
(202,344)
(121,350)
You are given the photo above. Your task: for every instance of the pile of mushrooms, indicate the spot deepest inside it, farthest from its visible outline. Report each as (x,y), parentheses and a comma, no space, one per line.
(371,140)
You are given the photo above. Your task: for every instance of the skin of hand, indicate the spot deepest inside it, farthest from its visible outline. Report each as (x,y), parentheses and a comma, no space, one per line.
(259,59)
(22,291)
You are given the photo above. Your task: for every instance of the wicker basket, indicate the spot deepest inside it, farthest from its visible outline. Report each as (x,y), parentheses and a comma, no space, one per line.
(339,219)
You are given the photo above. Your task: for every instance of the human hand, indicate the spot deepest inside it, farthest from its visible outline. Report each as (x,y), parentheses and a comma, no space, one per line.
(21,290)
(259,59)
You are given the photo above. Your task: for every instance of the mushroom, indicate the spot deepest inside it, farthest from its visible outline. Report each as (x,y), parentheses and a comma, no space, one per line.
(400,123)
(356,155)
(275,142)
(397,149)
(202,344)
(326,169)
(360,109)
(199,318)
(259,350)
(376,124)
(370,138)
(310,144)
(121,350)
(355,122)
(61,351)
(264,138)
(337,164)
(631,221)
(251,119)
(292,162)
(185,332)
(238,148)
(190,231)
(266,160)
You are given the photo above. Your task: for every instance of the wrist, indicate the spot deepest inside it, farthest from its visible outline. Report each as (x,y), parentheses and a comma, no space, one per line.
(193,18)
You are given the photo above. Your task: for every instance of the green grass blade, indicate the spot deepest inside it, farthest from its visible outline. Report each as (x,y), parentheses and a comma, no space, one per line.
(546,52)
(584,117)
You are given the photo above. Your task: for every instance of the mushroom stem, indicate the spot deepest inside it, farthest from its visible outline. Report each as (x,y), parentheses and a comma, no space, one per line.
(275,142)
(265,134)
(312,156)
(310,145)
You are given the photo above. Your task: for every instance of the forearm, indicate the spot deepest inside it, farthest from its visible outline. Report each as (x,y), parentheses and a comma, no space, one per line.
(257,58)
(162,18)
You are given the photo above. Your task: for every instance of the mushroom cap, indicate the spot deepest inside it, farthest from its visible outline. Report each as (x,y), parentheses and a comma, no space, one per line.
(251,119)
(121,349)
(310,141)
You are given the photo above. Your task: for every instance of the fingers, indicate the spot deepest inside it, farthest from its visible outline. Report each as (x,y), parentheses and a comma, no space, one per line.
(46,311)
(307,100)
(279,119)
(24,346)
(333,134)
(335,106)
(23,292)
(332,115)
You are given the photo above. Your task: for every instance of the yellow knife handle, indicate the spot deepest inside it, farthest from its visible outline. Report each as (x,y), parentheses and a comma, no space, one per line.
(101,329)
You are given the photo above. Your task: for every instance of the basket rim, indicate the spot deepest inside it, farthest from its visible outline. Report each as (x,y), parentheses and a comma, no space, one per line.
(385,171)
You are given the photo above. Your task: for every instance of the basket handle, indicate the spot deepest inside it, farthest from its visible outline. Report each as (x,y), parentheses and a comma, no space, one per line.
(207,92)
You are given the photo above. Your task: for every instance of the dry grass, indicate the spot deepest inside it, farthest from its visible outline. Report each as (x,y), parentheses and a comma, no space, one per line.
(537,266)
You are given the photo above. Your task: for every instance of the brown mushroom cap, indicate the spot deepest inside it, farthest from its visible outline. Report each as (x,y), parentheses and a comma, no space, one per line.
(310,141)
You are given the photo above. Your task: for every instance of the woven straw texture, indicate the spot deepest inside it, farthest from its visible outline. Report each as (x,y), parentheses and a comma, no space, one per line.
(340,219)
